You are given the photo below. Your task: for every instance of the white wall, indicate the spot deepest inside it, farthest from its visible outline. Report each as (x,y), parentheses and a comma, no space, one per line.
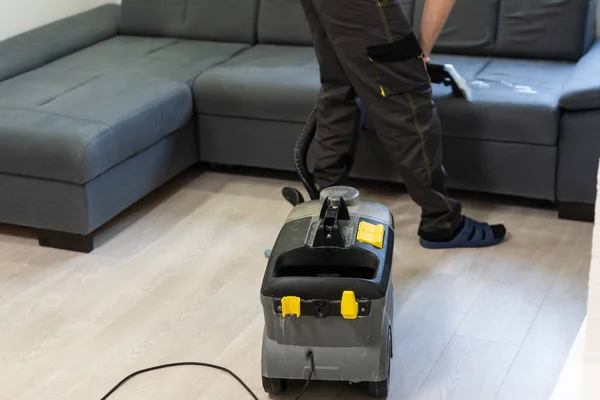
(17,16)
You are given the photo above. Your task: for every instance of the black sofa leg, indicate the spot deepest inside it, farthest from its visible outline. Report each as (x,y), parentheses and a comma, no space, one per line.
(66,241)
(576,211)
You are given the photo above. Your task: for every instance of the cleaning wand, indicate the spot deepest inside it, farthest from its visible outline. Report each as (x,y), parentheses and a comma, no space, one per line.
(447,75)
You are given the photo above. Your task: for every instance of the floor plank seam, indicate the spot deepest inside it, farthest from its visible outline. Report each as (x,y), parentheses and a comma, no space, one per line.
(512,363)
(528,332)
(537,314)
(437,361)
(486,341)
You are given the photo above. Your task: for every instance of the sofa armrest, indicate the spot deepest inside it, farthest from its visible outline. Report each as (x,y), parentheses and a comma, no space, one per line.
(39,46)
(582,91)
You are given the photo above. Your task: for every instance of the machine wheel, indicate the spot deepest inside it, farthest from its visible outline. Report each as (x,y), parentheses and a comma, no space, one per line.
(380,390)
(273,385)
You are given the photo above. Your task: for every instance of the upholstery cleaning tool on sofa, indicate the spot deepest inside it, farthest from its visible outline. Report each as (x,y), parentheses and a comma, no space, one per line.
(327,294)
(447,75)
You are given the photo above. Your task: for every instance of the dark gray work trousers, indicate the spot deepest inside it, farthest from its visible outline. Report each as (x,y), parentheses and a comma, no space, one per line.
(367,48)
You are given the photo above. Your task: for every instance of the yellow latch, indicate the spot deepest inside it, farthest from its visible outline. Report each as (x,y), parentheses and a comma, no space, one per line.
(370,234)
(290,305)
(349,306)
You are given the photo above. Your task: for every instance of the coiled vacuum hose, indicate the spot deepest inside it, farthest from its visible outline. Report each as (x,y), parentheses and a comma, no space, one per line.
(301,152)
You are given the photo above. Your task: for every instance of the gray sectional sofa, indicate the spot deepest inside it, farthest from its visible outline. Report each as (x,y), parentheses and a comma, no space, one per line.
(101,108)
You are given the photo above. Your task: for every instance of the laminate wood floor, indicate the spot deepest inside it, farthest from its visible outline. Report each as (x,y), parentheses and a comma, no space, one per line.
(177,277)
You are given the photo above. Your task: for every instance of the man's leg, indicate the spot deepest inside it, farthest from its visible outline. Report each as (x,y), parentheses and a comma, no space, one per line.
(382,58)
(338,115)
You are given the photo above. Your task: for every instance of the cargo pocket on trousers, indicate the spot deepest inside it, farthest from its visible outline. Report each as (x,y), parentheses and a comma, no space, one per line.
(399,67)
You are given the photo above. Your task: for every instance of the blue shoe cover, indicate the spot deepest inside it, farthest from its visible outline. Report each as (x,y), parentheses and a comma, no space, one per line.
(473,234)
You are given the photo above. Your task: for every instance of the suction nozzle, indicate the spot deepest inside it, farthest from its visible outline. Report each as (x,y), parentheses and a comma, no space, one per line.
(447,75)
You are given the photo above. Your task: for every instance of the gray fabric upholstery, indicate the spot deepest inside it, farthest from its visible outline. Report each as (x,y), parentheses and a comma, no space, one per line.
(476,165)
(222,20)
(266,81)
(43,203)
(178,59)
(582,91)
(282,22)
(476,37)
(134,178)
(512,100)
(549,29)
(33,49)
(579,152)
(81,209)
(493,167)
(409,9)
(72,126)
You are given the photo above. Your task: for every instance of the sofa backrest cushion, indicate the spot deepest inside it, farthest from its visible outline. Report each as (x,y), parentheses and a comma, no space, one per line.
(217,20)
(283,22)
(549,29)
(470,28)
(40,46)
(543,28)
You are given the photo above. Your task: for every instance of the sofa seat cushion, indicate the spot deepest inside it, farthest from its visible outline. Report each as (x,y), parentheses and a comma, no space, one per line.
(513,100)
(270,82)
(178,59)
(73,126)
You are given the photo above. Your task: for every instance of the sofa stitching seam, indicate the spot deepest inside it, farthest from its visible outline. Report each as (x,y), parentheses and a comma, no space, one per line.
(130,119)
(185,12)
(52,113)
(48,101)
(159,48)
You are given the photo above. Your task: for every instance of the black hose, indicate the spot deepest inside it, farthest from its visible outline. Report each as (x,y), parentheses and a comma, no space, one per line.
(301,152)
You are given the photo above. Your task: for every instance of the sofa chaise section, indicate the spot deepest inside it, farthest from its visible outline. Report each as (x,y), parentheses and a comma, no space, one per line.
(176,59)
(90,124)
(78,145)
(78,148)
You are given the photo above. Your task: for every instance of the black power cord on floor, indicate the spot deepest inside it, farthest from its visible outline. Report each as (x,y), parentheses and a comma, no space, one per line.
(199,364)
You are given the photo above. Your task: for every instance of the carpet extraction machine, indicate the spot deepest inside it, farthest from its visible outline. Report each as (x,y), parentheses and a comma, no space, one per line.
(327,294)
